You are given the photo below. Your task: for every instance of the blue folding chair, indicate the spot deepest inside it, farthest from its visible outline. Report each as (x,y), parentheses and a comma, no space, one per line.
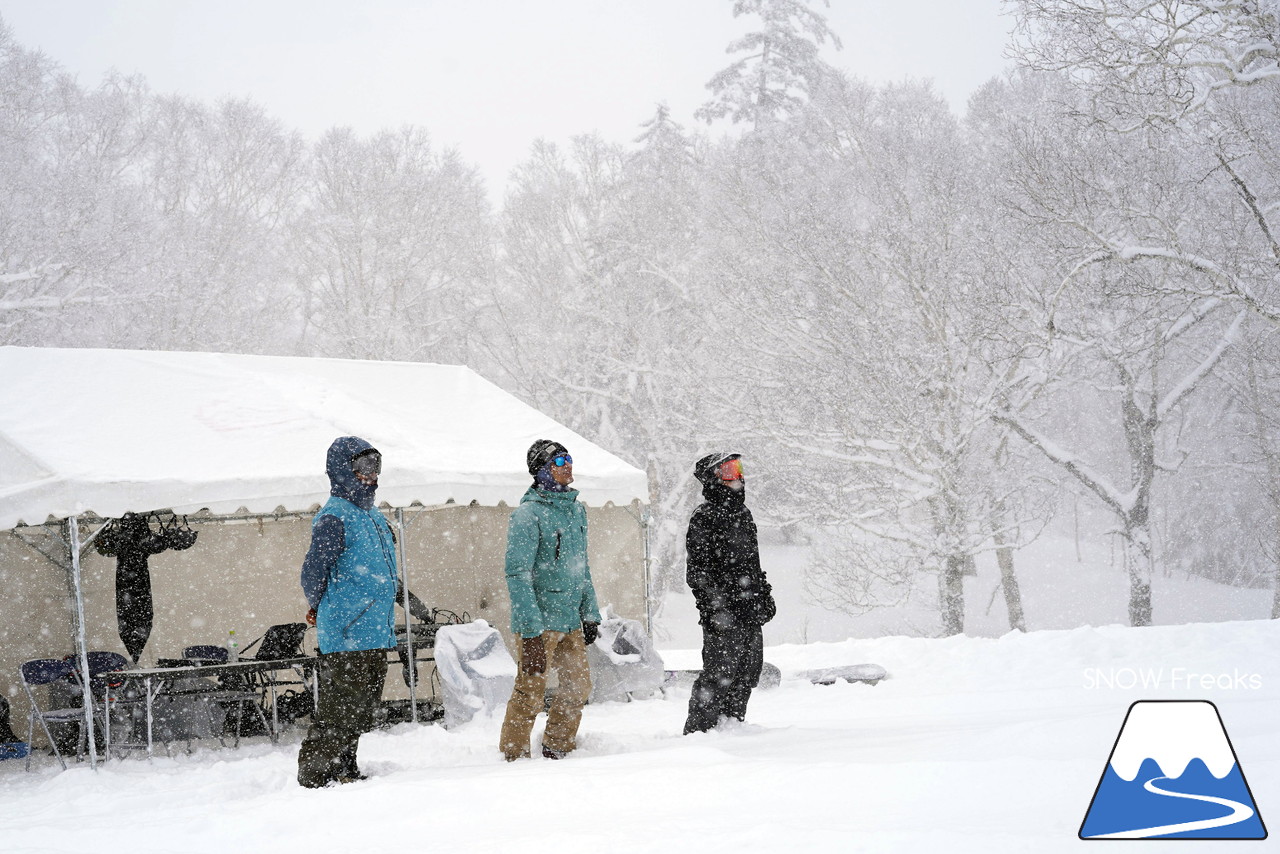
(46,671)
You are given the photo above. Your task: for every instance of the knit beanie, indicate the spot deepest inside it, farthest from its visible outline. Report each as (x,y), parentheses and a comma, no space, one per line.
(541,451)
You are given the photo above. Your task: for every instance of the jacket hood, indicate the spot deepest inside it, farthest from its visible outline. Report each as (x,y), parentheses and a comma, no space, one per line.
(342,480)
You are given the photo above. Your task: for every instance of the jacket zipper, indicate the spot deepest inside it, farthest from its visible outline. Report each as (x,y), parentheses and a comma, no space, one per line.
(356,618)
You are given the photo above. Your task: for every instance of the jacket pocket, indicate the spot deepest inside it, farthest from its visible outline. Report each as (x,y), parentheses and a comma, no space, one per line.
(346,630)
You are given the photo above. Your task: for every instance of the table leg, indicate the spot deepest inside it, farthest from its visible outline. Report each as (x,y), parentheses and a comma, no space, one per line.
(149,696)
(106,720)
(275,714)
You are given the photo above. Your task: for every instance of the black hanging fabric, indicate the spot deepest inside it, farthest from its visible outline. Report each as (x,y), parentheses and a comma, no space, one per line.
(132,541)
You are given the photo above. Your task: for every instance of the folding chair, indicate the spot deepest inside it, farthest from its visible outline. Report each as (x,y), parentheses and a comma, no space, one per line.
(278,642)
(46,671)
(100,688)
(282,641)
(225,696)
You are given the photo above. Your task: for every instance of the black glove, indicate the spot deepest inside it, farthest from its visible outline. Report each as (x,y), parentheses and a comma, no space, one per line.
(768,609)
(533,655)
(590,631)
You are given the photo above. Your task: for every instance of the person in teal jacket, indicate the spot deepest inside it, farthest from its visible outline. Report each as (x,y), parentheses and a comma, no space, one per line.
(553,605)
(350,581)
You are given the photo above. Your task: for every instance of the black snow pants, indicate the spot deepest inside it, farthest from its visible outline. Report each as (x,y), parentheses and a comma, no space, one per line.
(350,692)
(731,662)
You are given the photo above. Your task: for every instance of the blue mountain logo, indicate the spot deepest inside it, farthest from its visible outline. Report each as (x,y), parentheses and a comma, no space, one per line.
(1173,774)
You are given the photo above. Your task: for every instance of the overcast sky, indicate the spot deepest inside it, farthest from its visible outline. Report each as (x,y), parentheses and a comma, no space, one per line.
(485,76)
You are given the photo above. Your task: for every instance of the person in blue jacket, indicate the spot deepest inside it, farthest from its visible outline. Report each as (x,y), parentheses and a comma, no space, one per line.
(349,578)
(553,605)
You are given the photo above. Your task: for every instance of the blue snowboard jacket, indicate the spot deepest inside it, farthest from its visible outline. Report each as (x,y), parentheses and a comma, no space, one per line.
(547,572)
(349,575)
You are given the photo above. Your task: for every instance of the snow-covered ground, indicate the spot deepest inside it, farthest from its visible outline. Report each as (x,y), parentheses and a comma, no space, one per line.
(973,744)
(985,744)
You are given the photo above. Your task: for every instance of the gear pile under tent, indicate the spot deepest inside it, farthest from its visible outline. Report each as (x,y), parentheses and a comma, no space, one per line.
(236,444)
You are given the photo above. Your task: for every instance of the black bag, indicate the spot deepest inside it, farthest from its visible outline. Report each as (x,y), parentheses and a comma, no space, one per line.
(291,705)
(179,536)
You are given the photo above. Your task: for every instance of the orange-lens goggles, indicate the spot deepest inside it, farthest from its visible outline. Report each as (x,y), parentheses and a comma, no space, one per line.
(730,470)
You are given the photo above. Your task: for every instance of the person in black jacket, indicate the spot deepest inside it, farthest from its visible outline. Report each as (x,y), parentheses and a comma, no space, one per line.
(734,598)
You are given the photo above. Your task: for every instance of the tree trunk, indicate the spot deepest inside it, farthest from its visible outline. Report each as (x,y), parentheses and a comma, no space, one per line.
(1009,581)
(952,589)
(1137,561)
(1275,600)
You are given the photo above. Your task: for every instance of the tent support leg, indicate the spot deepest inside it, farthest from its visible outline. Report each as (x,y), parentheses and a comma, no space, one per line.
(73,539)
(408,629)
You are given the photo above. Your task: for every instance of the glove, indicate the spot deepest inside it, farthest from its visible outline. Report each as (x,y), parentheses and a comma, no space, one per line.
(590,631)
(768,609)
(533,655)
(311,617)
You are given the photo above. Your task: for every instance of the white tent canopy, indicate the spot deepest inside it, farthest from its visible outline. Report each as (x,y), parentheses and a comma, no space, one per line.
(111,431)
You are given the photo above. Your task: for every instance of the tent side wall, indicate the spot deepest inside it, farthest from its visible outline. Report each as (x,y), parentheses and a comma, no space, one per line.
(243,575)
(36,619)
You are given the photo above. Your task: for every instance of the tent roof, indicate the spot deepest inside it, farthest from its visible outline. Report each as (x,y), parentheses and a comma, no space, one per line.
(109,431)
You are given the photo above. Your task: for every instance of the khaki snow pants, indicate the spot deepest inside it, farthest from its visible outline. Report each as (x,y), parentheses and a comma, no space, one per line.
(567,654)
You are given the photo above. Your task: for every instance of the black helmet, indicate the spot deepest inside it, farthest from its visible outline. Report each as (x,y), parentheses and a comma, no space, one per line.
(541,451)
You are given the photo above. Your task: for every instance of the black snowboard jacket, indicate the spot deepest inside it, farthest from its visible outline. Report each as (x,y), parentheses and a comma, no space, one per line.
(724,570)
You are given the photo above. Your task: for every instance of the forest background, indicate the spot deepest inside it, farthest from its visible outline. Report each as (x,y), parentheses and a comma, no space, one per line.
(928,333)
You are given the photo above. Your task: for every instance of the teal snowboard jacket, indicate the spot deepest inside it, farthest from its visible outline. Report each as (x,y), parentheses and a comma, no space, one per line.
(547,572)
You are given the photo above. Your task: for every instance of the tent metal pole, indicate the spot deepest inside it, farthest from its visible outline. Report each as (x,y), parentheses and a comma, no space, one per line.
(408,629)
(648,572)
(73,539)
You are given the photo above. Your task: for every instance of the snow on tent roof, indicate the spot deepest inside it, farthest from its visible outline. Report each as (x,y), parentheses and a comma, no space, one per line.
(109,431)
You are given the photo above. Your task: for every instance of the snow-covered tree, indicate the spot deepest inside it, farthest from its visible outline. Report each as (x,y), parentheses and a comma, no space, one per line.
(857,258)
(220,185)
(1151,61)
(71,215)
(393,247)
(1198,76)
(599,308)
(779,68)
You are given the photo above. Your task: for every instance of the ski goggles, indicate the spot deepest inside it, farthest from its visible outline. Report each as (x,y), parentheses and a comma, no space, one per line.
(368,464)
(730,470)
(561,460)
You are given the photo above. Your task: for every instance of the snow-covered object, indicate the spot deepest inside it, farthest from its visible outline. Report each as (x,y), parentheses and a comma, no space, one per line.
(870,673)
(623,661)
(476,671)
(111,431)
